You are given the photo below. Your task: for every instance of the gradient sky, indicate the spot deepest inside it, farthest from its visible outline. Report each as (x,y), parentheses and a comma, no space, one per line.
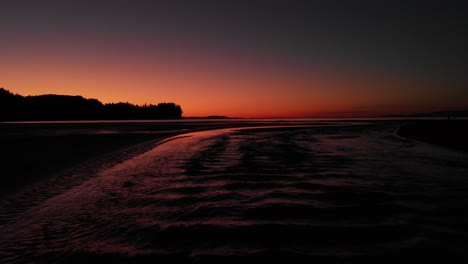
(241,58)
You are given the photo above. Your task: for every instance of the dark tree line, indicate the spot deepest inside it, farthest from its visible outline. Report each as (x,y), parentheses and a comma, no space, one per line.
(14,107)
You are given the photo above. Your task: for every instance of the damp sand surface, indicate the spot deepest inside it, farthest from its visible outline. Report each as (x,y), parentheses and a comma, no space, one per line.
(329,192)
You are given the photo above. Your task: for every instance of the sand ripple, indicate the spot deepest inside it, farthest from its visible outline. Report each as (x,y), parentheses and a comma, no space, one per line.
(323,192)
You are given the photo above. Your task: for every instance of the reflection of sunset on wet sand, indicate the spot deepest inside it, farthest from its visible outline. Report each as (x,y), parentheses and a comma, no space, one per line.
(310,188)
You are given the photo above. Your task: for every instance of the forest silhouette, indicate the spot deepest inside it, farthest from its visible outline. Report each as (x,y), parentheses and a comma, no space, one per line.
(15,107)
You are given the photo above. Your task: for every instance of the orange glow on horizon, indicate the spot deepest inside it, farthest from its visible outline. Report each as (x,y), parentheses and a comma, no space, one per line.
(252,66)
(255,91)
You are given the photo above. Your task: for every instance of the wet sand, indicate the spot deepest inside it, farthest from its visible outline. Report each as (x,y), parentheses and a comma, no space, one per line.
(447,133)
(31,152)
(26,160)
(321,192)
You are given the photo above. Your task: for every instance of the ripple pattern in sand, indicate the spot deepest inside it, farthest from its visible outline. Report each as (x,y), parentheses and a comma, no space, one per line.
(256,192)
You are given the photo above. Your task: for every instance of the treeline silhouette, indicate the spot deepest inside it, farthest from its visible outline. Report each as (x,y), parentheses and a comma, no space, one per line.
(15,107)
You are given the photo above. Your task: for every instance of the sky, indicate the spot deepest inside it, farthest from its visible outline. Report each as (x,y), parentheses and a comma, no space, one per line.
(253,58)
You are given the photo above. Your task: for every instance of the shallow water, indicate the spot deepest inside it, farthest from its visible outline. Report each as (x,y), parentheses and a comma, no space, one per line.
(346,192)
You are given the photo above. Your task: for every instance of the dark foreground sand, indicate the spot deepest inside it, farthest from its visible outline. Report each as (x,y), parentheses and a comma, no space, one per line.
(26,160)
(447,133)
(30,152)
(328,194)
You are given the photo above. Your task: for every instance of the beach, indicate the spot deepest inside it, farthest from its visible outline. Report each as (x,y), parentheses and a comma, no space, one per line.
(447,133)
(43,151)
(32,151)
(229,191)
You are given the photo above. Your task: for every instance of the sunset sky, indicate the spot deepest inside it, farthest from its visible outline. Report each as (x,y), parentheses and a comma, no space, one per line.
(241,58)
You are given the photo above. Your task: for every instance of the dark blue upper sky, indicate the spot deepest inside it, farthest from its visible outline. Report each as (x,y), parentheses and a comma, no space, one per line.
(419,37)
(424,40)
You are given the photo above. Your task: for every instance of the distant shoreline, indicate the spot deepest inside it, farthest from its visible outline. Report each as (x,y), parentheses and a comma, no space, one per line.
(446,133)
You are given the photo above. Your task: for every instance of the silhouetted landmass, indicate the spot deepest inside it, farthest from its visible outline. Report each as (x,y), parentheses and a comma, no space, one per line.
(439,114)
(447,133)
(14,107)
